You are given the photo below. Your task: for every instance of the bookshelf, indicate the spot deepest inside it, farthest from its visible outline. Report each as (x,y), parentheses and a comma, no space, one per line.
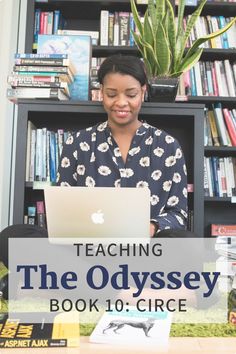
(183,121)
(85,15)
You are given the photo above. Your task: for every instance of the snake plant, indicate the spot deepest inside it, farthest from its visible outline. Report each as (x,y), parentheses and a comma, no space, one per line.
(162,40)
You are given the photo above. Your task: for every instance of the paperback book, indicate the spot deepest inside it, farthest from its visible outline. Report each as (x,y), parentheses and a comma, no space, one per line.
(78,47)
(15,334)
(132,328)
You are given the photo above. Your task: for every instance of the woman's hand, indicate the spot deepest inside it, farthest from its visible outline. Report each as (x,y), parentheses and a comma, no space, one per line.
(153,229)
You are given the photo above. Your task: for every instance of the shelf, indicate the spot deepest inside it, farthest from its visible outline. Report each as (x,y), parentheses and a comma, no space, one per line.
(220,150)
(227,101)
(208,53)
(217,199)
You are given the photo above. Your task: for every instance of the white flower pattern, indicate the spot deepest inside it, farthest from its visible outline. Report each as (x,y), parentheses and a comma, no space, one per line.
(144,161)
(155,160)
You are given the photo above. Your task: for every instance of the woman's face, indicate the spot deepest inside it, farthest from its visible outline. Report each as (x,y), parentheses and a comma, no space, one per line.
(122,99)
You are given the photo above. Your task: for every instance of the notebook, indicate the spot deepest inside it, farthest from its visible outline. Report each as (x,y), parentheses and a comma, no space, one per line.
(100,212)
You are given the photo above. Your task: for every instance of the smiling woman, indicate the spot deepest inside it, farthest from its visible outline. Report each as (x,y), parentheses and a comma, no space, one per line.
(124,151)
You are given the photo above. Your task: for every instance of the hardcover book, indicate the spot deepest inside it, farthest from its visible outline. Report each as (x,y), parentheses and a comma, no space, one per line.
(132,328)
(79,49)
(15,334)
(223,230)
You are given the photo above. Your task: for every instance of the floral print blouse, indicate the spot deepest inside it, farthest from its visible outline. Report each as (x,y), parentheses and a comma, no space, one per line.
(155,160)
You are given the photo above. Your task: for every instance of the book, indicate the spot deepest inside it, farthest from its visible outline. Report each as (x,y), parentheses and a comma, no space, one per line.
(104,27)
(44,70)
(230,125)
(31,215)
(40,56)
(41,216)
(46,62)
(13,94)
(79,48)
(221,127)
(93,34)
(132,328)
(223,230)
(30,76)
(32,81)
(30,128)
(15,334)
(213,128)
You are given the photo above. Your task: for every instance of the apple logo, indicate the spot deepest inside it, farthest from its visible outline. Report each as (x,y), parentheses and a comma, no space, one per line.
(97,217)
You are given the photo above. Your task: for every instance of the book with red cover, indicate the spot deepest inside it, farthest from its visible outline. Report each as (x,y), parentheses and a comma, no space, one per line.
(223,230)
(230,126)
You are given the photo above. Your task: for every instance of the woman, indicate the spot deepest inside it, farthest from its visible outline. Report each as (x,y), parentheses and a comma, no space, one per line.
(126,152)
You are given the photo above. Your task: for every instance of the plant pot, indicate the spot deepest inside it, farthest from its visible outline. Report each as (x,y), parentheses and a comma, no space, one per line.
(162,90)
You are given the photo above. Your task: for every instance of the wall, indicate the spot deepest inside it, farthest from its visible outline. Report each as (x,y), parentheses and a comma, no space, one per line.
(12,23)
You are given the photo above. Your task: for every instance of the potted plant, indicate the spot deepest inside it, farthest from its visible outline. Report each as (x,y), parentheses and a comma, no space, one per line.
(162,42)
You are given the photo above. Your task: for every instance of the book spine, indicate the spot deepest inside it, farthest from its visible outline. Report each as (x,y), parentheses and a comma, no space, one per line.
(229,78)
(40,56)
(206,184)
(116,38)
(32,156)
(215,176)
(230,126)
(34,68)
(111,29)
(104,27)
(38,157)
(213,128)
(124,28)
(223,230)
(52,157)
(37,24)
(56,21)
(41,216)
(42,61)
(132,29)
(31,215)
(40,84)
(223,177)
(220,123)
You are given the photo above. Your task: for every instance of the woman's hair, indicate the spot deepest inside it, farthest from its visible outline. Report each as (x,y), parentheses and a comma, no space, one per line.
(125,65)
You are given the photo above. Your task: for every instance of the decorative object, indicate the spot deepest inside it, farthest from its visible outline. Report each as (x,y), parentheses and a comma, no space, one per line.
(162,41)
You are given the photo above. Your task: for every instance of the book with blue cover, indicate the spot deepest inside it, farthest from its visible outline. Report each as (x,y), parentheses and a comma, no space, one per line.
(78,47)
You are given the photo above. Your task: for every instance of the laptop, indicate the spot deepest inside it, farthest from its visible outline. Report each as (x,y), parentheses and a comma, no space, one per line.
(100,212)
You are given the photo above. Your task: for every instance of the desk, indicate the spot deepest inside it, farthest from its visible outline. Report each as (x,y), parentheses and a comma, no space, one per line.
(185,345)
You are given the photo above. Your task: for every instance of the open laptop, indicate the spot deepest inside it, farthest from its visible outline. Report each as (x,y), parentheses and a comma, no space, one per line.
(100,212)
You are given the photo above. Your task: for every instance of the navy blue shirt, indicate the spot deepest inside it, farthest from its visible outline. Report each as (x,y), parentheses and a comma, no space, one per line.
(155,160)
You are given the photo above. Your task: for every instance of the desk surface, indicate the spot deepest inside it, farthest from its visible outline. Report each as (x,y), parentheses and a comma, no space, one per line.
(185,345)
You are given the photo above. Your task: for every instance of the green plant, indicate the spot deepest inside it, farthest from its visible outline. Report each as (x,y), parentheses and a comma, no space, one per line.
(162,41)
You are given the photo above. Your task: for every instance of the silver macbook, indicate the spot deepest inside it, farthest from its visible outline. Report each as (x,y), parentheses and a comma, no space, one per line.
(100,212)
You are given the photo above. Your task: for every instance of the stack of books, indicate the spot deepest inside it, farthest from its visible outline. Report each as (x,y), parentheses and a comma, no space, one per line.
(44,76)
(226,249)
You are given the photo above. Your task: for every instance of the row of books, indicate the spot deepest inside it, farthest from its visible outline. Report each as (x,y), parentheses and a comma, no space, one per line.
(208,24)
(52,22)
(220,126)
(41,76)
(115,29)
(219,176)
(217,78)
(36,215)
(44,148)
